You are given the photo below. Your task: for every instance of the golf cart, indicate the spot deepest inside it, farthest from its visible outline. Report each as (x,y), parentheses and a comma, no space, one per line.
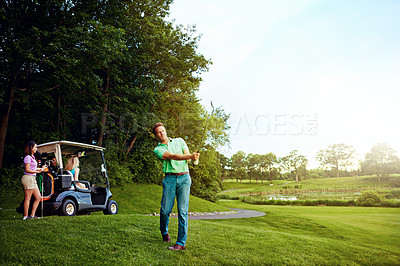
(61,193)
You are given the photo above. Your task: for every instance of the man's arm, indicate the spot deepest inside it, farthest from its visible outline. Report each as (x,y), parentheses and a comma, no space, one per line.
(180,157)
(187,153)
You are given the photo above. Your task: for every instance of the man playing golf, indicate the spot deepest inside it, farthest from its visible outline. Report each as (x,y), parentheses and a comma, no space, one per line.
(174,155)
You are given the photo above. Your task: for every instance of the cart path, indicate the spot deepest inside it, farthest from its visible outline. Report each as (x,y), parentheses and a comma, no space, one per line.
(239,213)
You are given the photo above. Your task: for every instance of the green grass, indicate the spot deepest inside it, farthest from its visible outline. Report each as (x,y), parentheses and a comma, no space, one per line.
(134,199)
(343,188)
(245,184)
(146,198)
(286,235)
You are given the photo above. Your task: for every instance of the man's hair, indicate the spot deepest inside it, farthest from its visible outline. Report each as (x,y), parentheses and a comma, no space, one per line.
(156,126)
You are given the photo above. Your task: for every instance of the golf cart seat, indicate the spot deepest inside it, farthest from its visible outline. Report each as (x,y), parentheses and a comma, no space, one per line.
(68,184)
(66,180)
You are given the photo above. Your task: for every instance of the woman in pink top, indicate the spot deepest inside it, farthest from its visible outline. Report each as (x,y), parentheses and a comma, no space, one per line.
(29,179)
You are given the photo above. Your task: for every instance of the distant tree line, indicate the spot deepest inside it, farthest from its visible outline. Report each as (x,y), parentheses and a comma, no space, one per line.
(103,72)
(336,160)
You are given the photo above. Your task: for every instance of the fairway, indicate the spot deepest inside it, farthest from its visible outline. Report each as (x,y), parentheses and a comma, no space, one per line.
(172,132)
(285,235)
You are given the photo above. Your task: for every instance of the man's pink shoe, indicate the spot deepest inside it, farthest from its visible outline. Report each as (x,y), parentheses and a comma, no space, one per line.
(177,247)
(166,238)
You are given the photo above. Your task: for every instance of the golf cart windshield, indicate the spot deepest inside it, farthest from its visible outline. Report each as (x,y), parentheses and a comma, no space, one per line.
(91,160)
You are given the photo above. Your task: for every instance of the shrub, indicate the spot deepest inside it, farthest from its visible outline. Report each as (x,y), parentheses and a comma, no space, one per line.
(351,203)
(309,203)
(228,197)
(10,181)
(118,173)
(395,182)
(395,204)
(369,199)
(394,194)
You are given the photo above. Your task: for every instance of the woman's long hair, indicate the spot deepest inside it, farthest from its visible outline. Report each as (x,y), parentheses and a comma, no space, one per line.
(72,163)
(28,147)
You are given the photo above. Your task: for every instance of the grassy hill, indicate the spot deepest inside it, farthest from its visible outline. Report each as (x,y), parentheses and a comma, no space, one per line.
(293,235)
(134,199)
(146,198)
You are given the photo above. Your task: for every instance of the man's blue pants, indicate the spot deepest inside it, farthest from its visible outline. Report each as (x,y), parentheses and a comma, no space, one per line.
(179,187)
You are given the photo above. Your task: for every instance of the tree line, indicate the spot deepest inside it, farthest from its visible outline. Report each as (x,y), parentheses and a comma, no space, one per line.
(103,72)
(335,160)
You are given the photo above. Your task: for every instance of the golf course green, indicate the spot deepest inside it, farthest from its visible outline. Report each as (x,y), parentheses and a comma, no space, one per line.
(286,235)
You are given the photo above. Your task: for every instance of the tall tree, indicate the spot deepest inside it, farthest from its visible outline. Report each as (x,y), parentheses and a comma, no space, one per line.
(225,164)
(43,63)
(337,156)
(269,163)
(381,160)
(206,175)
(238,165)
(252,162)
(102,72)
(295,163)
(108,69)
(23,55)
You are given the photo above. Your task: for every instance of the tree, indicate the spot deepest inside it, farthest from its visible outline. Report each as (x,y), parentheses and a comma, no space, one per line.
(269,162)
(381,160)
(25,55)
(206,175)
(336,156)
(107,68)
(252,162)
(238,165)
(48,71)
(295,163)
(103,72)
(225,164)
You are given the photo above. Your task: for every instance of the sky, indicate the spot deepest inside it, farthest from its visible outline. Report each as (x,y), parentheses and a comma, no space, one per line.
(300,74)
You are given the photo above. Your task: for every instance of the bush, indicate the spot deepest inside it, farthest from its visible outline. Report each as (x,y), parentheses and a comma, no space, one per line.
(394,194)
(118,173)
(320,202)
(351,203)
(10,181)
(395,204)
(369,199)
(228,197)
(395,182)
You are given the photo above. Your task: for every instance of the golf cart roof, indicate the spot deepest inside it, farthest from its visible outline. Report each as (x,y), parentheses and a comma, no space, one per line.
(65,147)
(51,146)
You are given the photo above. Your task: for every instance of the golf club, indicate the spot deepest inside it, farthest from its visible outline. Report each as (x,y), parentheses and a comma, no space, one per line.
(196,162)
(41,196)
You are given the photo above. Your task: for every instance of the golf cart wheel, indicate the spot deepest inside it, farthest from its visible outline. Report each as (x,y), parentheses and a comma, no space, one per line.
(68,208)
(112,207)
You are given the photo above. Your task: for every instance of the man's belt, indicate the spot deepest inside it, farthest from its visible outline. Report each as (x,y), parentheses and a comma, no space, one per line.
(183,173)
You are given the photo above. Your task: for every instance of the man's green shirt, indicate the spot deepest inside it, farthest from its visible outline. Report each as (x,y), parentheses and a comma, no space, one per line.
(176,146)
